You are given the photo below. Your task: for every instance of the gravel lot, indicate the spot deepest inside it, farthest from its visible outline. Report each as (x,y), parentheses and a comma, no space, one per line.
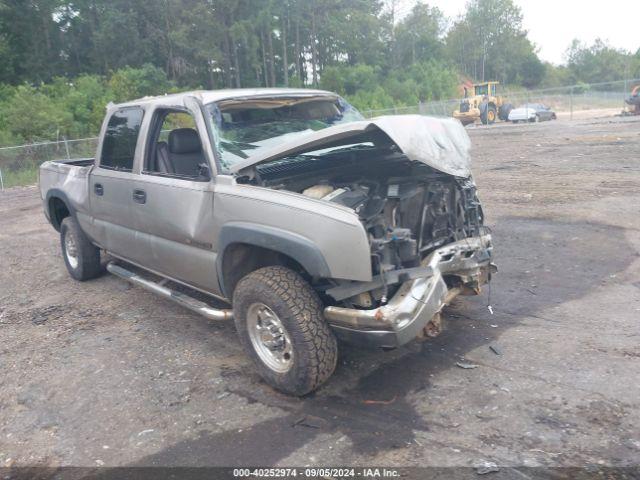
(102,373)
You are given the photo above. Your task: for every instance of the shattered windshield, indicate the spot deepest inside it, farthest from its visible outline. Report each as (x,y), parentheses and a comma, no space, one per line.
(244,126)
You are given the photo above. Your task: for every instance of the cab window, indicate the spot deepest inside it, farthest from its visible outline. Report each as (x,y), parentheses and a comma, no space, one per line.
(175,148)
(119,144)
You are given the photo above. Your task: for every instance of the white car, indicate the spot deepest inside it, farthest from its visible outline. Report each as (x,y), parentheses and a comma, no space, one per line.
(531,112)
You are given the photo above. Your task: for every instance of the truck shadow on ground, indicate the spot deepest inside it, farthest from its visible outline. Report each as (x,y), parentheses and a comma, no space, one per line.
(542,263)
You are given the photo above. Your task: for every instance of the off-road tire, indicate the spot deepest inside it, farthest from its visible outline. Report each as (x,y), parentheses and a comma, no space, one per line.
(504,111)
(87,255)
(483,107)
(491,115)
(298,307)
(488,113)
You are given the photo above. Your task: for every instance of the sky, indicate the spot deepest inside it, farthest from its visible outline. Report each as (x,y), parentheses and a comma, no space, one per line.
(553,24)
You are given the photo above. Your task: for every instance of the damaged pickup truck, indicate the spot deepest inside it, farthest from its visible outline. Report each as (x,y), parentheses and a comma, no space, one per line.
(284,210)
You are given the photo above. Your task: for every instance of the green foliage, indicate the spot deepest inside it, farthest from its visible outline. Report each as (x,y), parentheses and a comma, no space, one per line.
(26,176)
(71,109)
(489,43)
(434,80)
(130,83)
(32,115)
(599,62)
(372,88)
(555,76)
(347,80)
(531,70)
(418,37)
(376,99)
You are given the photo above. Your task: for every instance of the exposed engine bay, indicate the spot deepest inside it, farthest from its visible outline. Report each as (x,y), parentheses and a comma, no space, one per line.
(408,209)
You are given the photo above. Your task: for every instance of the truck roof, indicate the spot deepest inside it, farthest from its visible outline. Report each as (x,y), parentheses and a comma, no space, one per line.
(208,96)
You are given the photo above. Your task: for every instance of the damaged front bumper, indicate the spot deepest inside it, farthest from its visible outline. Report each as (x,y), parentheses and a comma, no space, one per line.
(420,300)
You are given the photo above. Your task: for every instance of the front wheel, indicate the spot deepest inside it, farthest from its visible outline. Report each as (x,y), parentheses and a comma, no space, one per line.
(491,115)
(488,113)
(281,326)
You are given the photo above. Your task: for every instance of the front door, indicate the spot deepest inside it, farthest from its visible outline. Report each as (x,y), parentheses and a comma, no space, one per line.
(176,216)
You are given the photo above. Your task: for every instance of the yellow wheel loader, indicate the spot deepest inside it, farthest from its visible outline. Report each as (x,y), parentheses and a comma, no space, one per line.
(484,105)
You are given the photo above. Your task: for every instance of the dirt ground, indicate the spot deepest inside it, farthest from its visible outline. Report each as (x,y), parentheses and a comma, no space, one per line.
(102,373)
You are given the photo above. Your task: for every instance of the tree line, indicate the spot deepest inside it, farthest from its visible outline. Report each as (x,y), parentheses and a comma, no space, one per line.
(245,43)
(62,61)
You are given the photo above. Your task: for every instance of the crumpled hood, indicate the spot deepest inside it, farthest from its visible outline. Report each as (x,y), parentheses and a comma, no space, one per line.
(440,143)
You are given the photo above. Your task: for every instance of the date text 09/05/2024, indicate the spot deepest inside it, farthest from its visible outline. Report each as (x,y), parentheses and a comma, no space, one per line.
(337,473)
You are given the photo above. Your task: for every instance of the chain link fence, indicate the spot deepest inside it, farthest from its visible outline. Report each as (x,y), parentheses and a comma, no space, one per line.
(571,101)
(19,164)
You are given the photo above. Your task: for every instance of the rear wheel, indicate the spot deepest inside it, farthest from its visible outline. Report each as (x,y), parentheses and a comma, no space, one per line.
(81,257)
(504,111)
(281,326)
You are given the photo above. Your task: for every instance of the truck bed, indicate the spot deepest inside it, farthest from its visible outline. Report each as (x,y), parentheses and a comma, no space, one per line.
(69,177)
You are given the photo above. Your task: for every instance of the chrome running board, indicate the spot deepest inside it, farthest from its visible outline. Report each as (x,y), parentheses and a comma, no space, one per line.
(178,297)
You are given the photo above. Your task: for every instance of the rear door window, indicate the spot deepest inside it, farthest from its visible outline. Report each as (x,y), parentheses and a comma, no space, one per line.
(120,139)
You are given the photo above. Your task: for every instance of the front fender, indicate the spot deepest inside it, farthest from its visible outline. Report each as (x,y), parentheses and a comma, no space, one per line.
(327,240)
(300,248)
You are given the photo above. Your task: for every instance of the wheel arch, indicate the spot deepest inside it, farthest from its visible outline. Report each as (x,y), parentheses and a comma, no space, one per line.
(245,247)
(58,207)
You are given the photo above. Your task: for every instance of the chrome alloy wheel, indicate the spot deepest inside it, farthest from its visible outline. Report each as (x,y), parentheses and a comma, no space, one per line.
(269,338)
(70,250)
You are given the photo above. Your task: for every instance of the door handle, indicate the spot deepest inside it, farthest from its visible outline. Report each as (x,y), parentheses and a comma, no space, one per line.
(139,196)
(98,189)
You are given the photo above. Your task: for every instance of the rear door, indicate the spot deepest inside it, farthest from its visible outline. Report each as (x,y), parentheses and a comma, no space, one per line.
(112,185)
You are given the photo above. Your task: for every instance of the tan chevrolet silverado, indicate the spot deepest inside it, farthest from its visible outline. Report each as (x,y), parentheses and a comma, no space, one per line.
(284,210)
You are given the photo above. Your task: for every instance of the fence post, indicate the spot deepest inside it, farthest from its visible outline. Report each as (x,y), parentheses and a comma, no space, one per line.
(571,104)
(1,181)
(66,147)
